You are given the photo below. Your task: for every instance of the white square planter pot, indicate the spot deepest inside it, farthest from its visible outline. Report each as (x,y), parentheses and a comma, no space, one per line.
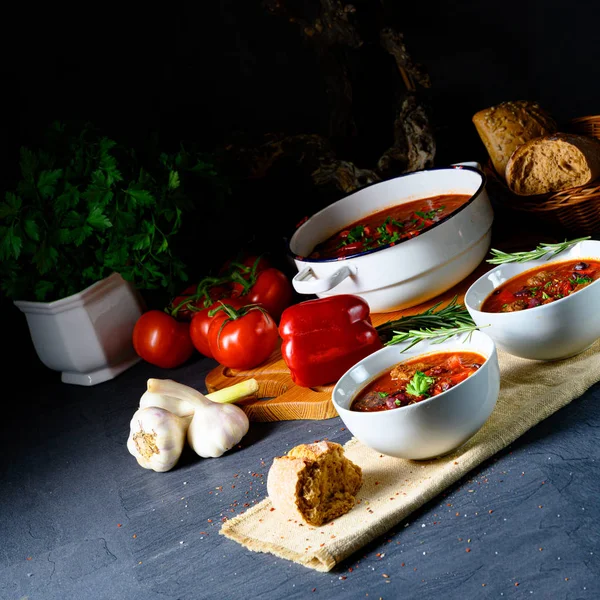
(87,336)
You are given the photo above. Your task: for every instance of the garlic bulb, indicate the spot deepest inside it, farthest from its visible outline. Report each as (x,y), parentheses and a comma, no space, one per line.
(178,407)
(215,428)
(182,408)
(156,438)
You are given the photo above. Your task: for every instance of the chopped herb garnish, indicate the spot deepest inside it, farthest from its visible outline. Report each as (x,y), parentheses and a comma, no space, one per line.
(547,285)
(383,394)
(581,280)
(419,385)
(545,296)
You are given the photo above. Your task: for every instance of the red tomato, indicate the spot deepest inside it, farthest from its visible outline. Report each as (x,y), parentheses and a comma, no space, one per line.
(161,340)
(244,270)
(192,299)
(272,290)
(242,339)
(244,263)
(201,321)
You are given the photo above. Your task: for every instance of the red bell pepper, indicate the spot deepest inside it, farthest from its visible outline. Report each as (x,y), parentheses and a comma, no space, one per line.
(322,339)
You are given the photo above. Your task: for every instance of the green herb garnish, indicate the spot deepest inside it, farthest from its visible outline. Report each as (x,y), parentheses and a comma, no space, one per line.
(419,385)
(545,296)
(383,394)
(449,321)
(540,251)
(581,280)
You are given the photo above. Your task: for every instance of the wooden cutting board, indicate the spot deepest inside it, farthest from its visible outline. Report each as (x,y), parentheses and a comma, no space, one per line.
(280,399)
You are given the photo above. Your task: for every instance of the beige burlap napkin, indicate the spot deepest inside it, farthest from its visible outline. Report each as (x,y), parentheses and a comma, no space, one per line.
(530,391)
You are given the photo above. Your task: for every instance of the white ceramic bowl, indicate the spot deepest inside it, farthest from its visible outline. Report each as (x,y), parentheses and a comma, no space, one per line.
(432,427)
(552,331)
(412,271)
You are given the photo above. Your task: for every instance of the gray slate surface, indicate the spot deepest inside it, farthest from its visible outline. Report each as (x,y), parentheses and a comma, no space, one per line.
(80,519)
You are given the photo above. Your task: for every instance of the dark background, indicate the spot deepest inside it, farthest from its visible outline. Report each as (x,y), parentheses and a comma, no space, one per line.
(201,71)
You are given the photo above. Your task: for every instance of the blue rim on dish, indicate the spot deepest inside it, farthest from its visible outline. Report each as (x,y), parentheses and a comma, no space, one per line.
(384,247)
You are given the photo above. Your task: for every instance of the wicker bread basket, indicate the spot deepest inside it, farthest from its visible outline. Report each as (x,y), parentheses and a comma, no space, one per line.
(576,210)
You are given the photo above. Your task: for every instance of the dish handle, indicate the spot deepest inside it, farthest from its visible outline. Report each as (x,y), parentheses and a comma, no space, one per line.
(306,281)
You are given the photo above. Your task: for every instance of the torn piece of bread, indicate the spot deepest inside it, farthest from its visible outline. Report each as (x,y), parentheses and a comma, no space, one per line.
(314,482)
(504,127)
(553,163)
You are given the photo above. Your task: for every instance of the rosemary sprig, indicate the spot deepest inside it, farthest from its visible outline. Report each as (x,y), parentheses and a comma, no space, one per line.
(439,335)
(449,321)
(500,257)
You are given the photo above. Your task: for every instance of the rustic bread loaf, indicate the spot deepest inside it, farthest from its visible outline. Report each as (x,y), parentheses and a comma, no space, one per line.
(314,482)
(504,127)
(553,163)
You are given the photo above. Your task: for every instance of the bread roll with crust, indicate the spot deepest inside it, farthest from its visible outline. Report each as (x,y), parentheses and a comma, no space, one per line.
(552,164)
(504,127)
(314,482)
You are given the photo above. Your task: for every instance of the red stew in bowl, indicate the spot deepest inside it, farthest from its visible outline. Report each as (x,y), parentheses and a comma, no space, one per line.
(417,379)
(542,285)
(389,226)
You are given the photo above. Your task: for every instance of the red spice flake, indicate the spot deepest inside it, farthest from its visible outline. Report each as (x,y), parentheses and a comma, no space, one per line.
(343,429)
(566,579)
(403,565)
(483,584)
(119,525)
(543,482)
(540,549)
(490,511)
(377,483)
(29,558)
(516,584)
(260,520)
(467,549)
(272,509)
(224,519)
(203,533)
(457,514)
(415,569)
(209,520)
(333,537)
(540,506)
(134,535)
(232,487)
(314,590)
(448,504)
(321,545)
(386,576)
(350,569)
(378,554)
(392,498)
(246,504)
(455,462)
(235,474)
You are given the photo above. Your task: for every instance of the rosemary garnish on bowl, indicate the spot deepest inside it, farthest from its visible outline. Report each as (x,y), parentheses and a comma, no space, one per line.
(500,257)
(430,324)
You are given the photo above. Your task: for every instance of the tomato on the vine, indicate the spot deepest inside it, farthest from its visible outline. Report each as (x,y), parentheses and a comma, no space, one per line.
(245,265)
(242,338)
(201,321)
(161,340)
(272,290)
(196,297)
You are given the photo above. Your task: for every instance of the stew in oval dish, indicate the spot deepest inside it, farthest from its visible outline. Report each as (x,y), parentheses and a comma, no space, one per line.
(417,379)
(389,226)
(542,285)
